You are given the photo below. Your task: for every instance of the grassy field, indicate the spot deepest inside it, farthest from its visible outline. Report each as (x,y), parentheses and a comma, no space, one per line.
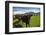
(34,22)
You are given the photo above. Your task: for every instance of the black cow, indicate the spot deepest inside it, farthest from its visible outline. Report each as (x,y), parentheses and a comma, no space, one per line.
(24,18)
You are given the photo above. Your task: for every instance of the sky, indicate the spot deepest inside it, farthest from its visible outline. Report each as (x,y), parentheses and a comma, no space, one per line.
(22,10)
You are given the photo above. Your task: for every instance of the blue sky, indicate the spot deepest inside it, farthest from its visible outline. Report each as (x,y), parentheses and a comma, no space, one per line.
(25,9)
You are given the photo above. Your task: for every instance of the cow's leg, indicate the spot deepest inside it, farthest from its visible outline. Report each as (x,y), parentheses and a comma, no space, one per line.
(27,23)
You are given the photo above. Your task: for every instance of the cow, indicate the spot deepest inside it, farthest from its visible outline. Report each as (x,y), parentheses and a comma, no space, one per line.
(24,18)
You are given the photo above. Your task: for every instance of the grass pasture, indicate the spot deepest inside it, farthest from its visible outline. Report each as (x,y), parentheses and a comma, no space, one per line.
(35,21)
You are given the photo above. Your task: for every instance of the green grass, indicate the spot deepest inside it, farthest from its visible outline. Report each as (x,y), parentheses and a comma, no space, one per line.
(35,21)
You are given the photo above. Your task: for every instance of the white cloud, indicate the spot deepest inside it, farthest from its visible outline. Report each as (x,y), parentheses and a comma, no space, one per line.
(18,12)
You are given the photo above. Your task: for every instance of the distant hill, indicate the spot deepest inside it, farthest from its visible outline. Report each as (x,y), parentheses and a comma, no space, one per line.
(29,13)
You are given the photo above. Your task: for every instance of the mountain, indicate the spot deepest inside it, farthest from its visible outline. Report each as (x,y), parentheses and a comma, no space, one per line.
(29,13)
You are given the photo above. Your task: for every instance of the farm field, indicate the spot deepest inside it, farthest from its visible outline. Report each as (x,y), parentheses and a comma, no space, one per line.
(34,22)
